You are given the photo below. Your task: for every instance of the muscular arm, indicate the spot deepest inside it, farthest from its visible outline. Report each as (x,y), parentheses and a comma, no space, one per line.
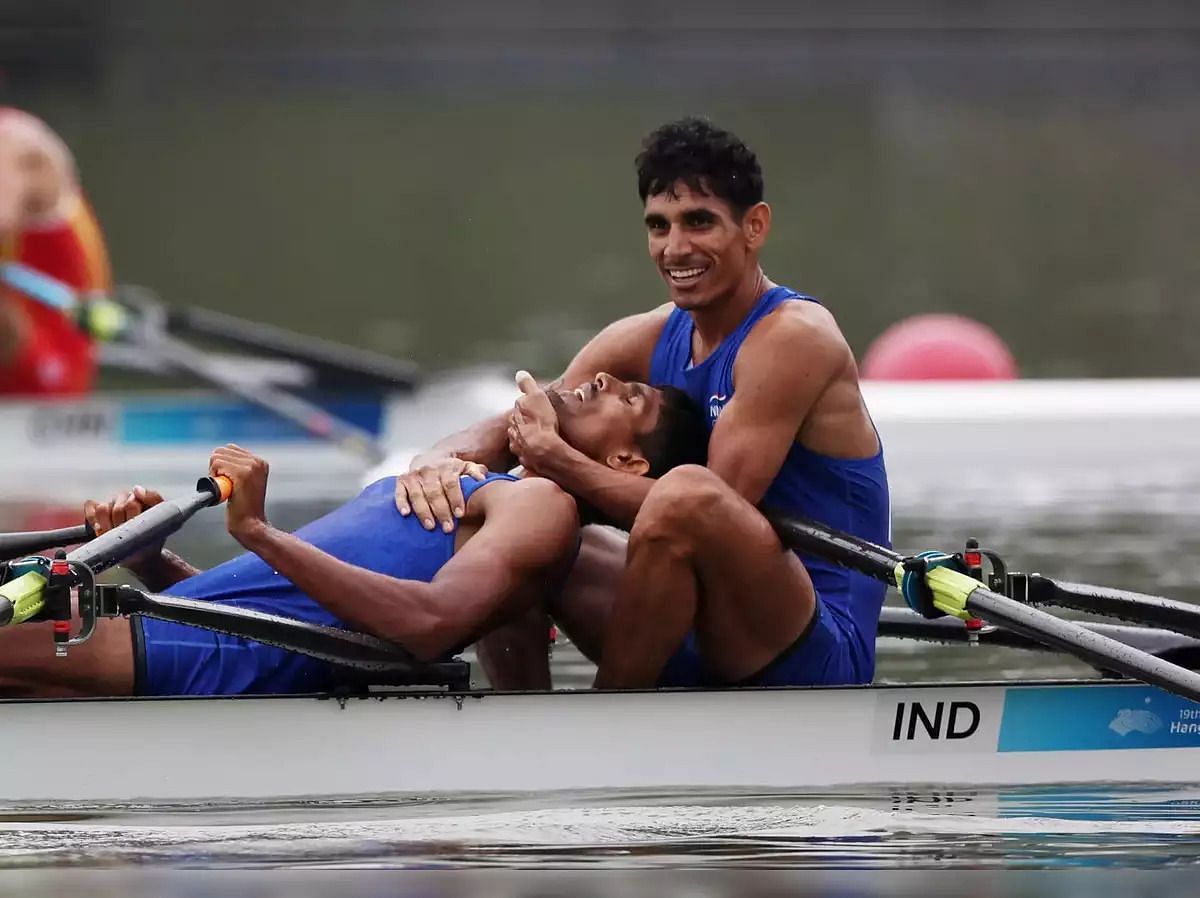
(782,369)
(529,531)
(162,571)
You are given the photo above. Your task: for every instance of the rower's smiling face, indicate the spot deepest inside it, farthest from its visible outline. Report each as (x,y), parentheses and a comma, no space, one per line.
(703,248)
(605,418)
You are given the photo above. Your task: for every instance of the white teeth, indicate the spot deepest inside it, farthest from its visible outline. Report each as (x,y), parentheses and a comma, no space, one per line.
(579,393)
(682,274)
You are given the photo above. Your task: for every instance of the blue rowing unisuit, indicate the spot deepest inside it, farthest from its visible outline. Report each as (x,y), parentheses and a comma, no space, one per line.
(368,532)
(849,494)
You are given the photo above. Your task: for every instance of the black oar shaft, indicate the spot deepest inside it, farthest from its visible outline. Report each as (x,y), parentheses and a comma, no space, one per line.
(880,563)
(1097,650)
(850,551)
(17,545)
(1181,617)
(150,527)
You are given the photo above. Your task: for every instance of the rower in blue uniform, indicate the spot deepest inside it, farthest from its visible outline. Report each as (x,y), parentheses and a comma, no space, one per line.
(849,494)
(704,592)
(364,566)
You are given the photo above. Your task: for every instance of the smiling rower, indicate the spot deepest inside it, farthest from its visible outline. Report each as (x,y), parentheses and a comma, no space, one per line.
(364,566)
(704,592)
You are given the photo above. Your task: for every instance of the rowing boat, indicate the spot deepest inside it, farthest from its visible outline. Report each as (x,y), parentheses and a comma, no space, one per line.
(1059,431)
(404,737)
(435,742)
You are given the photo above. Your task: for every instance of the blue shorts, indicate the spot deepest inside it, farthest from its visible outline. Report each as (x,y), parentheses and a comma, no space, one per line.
(176,659)
(823,655)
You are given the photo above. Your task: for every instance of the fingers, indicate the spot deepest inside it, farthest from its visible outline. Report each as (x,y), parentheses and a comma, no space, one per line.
(236,463)
(434,492)
(525,382)
(402,503)
(420,505)
(452,490)
(439,502)
(104,516)
(148,498)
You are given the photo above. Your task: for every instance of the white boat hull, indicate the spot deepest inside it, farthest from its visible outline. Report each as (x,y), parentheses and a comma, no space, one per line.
(167,750)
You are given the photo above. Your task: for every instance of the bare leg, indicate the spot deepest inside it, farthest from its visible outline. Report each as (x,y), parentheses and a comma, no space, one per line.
(702,557)
(515,655)
(101,666)
(583,607)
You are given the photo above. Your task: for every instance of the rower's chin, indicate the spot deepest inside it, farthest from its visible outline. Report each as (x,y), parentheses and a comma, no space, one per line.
(688,298)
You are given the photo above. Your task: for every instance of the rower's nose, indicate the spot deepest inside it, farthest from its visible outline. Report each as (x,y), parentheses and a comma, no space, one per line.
(604,382)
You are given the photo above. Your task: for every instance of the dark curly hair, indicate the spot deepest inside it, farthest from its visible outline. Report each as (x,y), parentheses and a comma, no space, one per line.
(679,438)
(706,158)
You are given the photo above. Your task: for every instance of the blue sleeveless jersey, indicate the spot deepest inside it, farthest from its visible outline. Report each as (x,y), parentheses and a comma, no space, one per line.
(368,532)
(849,494)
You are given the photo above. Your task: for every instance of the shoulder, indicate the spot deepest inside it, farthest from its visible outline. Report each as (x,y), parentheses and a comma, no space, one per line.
(797,334)
(503,497)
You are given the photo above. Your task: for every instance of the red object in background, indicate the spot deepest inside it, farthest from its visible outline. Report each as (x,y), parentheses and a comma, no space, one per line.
(58,358)
(938,347)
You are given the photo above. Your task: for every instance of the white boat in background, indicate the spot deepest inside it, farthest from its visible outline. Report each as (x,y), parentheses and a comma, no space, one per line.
(1143,433)
(150,751)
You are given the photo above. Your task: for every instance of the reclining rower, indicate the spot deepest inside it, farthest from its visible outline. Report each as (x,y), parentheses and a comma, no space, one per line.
(362,566)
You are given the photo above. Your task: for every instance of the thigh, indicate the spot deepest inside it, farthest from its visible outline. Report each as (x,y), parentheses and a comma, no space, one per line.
(183,660)
(587,598)
(101,666)
(756,598)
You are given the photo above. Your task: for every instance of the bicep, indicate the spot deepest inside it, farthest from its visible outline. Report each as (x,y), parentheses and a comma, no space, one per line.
(748,447)
(775,388)
(528,530)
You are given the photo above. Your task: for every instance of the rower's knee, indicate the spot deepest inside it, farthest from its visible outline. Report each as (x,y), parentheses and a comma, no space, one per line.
(679,508)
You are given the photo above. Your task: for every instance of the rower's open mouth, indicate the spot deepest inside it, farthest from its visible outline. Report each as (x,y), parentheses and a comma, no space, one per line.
(684,276)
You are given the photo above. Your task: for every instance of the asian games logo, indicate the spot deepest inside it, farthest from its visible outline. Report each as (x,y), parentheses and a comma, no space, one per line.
(716,403)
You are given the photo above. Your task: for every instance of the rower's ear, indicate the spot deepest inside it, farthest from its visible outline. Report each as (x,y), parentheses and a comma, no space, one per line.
(628,462)
(756,224)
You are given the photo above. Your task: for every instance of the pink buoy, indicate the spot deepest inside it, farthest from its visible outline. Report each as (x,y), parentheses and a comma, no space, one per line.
(938,347)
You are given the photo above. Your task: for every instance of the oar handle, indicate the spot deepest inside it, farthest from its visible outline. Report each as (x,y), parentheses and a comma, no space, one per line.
(219,487)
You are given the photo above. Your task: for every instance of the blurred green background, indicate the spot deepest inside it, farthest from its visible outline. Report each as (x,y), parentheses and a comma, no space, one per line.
(453,181)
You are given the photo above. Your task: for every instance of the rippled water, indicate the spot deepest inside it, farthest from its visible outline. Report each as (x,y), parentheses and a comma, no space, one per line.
(917,827)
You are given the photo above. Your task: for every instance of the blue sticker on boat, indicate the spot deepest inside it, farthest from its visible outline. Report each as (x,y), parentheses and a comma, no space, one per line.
(1091,718)
(148,421)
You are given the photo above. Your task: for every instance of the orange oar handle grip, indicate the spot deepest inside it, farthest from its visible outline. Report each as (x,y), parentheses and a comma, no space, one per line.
(220,487)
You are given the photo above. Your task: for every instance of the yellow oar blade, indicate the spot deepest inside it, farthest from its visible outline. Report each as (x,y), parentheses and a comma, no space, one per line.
(25,595)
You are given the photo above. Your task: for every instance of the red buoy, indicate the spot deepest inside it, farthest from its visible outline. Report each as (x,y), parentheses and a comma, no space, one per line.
(938,347)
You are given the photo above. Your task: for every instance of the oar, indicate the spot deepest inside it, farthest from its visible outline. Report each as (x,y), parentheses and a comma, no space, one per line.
(336,365)
(1119,603)
(956,593)
(15,545)
(150,333)
(24,596)
(309,416)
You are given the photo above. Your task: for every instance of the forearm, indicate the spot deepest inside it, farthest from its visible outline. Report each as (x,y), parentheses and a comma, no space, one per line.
(162,571)
(617,496)
(402,611)
(485,442)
